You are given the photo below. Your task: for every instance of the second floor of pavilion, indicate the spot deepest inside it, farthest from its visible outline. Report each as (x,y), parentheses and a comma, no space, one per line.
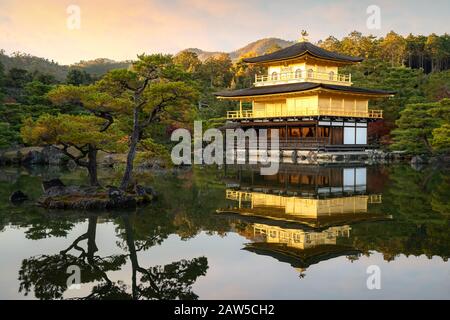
(302,100)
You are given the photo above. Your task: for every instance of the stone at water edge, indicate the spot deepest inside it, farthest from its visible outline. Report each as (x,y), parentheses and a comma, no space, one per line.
(115,193)
(71,165)
(151,192)
(417,160)
(147,193)
(54,156)
(18,197)
(140,190)
(109,161)
(51,184)
(33,157)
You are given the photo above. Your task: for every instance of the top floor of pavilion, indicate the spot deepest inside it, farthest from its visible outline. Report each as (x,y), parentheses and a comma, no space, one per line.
(303,80)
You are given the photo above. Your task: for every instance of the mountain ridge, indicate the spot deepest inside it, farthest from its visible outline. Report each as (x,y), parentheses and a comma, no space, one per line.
(100,66)
(258,47)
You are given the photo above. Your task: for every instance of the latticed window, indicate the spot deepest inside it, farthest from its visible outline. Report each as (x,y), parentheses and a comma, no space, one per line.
(323,132)
(298,73)
(274,76)
(310,73)
(294,132)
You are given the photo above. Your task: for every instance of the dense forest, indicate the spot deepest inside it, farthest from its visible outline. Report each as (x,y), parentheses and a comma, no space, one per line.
(415,66)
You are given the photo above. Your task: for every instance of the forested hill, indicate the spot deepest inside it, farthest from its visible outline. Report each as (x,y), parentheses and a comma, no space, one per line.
(99,67)
(258,47)
(33,64)
(430,53)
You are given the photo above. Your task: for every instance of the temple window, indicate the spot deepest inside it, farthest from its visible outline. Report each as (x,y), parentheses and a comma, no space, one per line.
(294,179)
(310,73)
(323,132)
(331,75)
(311,133)
(274,75)
(294,132)
(298,73)
(308,132)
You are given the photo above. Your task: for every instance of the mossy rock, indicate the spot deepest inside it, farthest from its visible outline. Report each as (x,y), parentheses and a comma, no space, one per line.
(89,198)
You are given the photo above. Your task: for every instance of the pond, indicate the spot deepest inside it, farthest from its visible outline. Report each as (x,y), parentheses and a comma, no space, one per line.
(309,232)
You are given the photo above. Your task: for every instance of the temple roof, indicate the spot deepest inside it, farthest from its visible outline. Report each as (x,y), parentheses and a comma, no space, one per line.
(299,49)
(298,87)
(300,258)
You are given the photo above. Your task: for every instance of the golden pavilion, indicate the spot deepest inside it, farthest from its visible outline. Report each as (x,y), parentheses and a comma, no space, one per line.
(317,197)
(305,97)
(302,216)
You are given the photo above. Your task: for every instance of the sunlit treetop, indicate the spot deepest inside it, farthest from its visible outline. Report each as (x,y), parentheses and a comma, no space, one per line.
(73,130)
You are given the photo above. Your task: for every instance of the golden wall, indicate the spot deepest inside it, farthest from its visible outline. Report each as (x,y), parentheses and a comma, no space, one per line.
(300,239)
(311,105)
(311,208)
(271,108)
(304,66)
(347,104)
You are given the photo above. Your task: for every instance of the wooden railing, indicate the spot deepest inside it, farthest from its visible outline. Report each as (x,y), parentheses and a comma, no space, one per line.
(237,195)
(302,76)
(313,112)
(295,143)
(245,114)
(306,143)
(375,198)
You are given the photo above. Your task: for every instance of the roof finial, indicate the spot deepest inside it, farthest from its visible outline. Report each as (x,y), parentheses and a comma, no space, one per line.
(304,36)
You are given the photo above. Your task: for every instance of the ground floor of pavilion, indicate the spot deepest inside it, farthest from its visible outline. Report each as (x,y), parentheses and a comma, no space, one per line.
(315,134)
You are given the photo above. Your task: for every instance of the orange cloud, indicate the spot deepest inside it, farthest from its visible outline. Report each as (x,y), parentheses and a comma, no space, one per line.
(120,29)
(111,28)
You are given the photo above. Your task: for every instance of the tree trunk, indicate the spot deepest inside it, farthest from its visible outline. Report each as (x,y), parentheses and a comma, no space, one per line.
(427,144)
(131,152)
(92,166)
(91,233)
(133,255)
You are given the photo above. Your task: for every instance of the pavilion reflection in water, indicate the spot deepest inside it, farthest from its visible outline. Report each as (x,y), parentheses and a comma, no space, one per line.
(303,215)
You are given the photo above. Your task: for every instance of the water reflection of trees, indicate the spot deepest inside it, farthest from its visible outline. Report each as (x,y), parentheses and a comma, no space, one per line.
(180,210)
(47,275)
(419,204)
(172,281)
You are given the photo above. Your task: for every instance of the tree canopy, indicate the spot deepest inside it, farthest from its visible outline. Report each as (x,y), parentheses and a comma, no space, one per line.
(423,128)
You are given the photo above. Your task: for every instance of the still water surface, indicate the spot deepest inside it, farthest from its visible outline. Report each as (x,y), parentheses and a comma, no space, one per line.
(307,233)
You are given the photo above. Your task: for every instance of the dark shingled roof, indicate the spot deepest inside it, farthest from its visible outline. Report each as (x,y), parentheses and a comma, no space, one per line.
(297,87)
(301,48)
(300,258)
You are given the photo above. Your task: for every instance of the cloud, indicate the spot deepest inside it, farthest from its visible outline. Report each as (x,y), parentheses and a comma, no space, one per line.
(120,29)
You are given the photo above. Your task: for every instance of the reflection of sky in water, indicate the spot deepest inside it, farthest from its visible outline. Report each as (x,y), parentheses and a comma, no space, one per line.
(238,274)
